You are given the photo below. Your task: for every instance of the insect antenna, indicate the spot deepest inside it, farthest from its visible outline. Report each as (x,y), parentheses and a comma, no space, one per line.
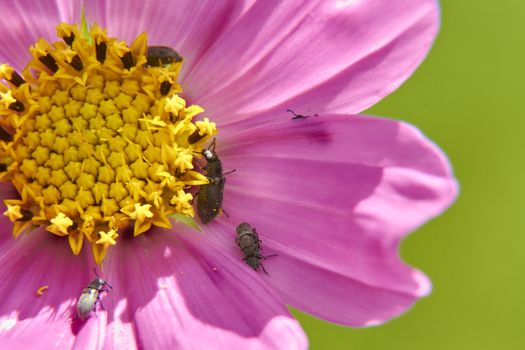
(105,282)
(212,144)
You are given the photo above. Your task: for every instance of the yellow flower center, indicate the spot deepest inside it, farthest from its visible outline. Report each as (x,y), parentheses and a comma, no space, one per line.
(95,139)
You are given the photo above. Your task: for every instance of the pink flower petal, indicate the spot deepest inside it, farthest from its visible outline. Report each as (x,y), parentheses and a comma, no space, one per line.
(334,195)
(323,56)
(166,291)
(32,261)
(25,21)
(180,291)
(188,26)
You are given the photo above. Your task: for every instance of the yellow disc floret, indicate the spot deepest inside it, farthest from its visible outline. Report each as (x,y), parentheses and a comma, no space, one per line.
(96,141)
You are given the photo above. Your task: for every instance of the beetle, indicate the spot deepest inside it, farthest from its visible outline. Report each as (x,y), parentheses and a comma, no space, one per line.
(248,240)
(91,296)
(159,56)
(209,198)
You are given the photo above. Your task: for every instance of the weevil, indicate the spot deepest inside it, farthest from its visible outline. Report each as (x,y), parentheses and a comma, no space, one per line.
(209,198)
(162,56)
(91,296)
(250,244)
(299,116)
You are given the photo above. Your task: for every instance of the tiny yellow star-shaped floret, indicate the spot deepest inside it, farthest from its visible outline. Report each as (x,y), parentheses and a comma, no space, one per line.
(69,54)
(7,98)
(60,223)
(184,160)
(98,34)
(206,127)
(168,76)
(40,48)
(182,202)
(156,121)
(121,48)
(6,71)
(13,212)
(141,212)
(65,30)
(192,111)
(107,238)
(175,104)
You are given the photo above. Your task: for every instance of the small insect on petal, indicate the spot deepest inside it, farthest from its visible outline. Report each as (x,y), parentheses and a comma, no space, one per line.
(299,116)
(41,290)
(250,244)
(90,297)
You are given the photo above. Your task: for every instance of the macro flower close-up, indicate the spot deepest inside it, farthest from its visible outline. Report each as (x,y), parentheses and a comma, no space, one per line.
(175,174)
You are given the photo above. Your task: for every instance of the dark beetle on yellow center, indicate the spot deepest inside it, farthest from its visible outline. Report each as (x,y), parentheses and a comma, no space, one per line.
(209,200)
(162,56)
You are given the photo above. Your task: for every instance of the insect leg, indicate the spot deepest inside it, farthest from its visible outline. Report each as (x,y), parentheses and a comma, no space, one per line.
(256,236)
(101,305)
(229,172)
(295,116)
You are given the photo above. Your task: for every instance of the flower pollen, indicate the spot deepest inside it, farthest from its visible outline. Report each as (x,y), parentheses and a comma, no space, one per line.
(95,140)
(40,291)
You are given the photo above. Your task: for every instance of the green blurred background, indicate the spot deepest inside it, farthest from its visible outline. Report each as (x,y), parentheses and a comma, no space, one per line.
(469,97)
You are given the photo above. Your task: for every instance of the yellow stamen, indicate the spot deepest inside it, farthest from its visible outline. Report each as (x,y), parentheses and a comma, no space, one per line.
(60,224)
(141,212)
(206,127)
(181,202)
(5,71)
(13,212)
(96,146)
(6,98)
(108,238)
(40,291)
(175,104)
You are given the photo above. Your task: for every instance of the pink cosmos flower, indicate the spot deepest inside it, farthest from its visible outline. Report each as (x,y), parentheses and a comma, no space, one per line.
(333,194)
